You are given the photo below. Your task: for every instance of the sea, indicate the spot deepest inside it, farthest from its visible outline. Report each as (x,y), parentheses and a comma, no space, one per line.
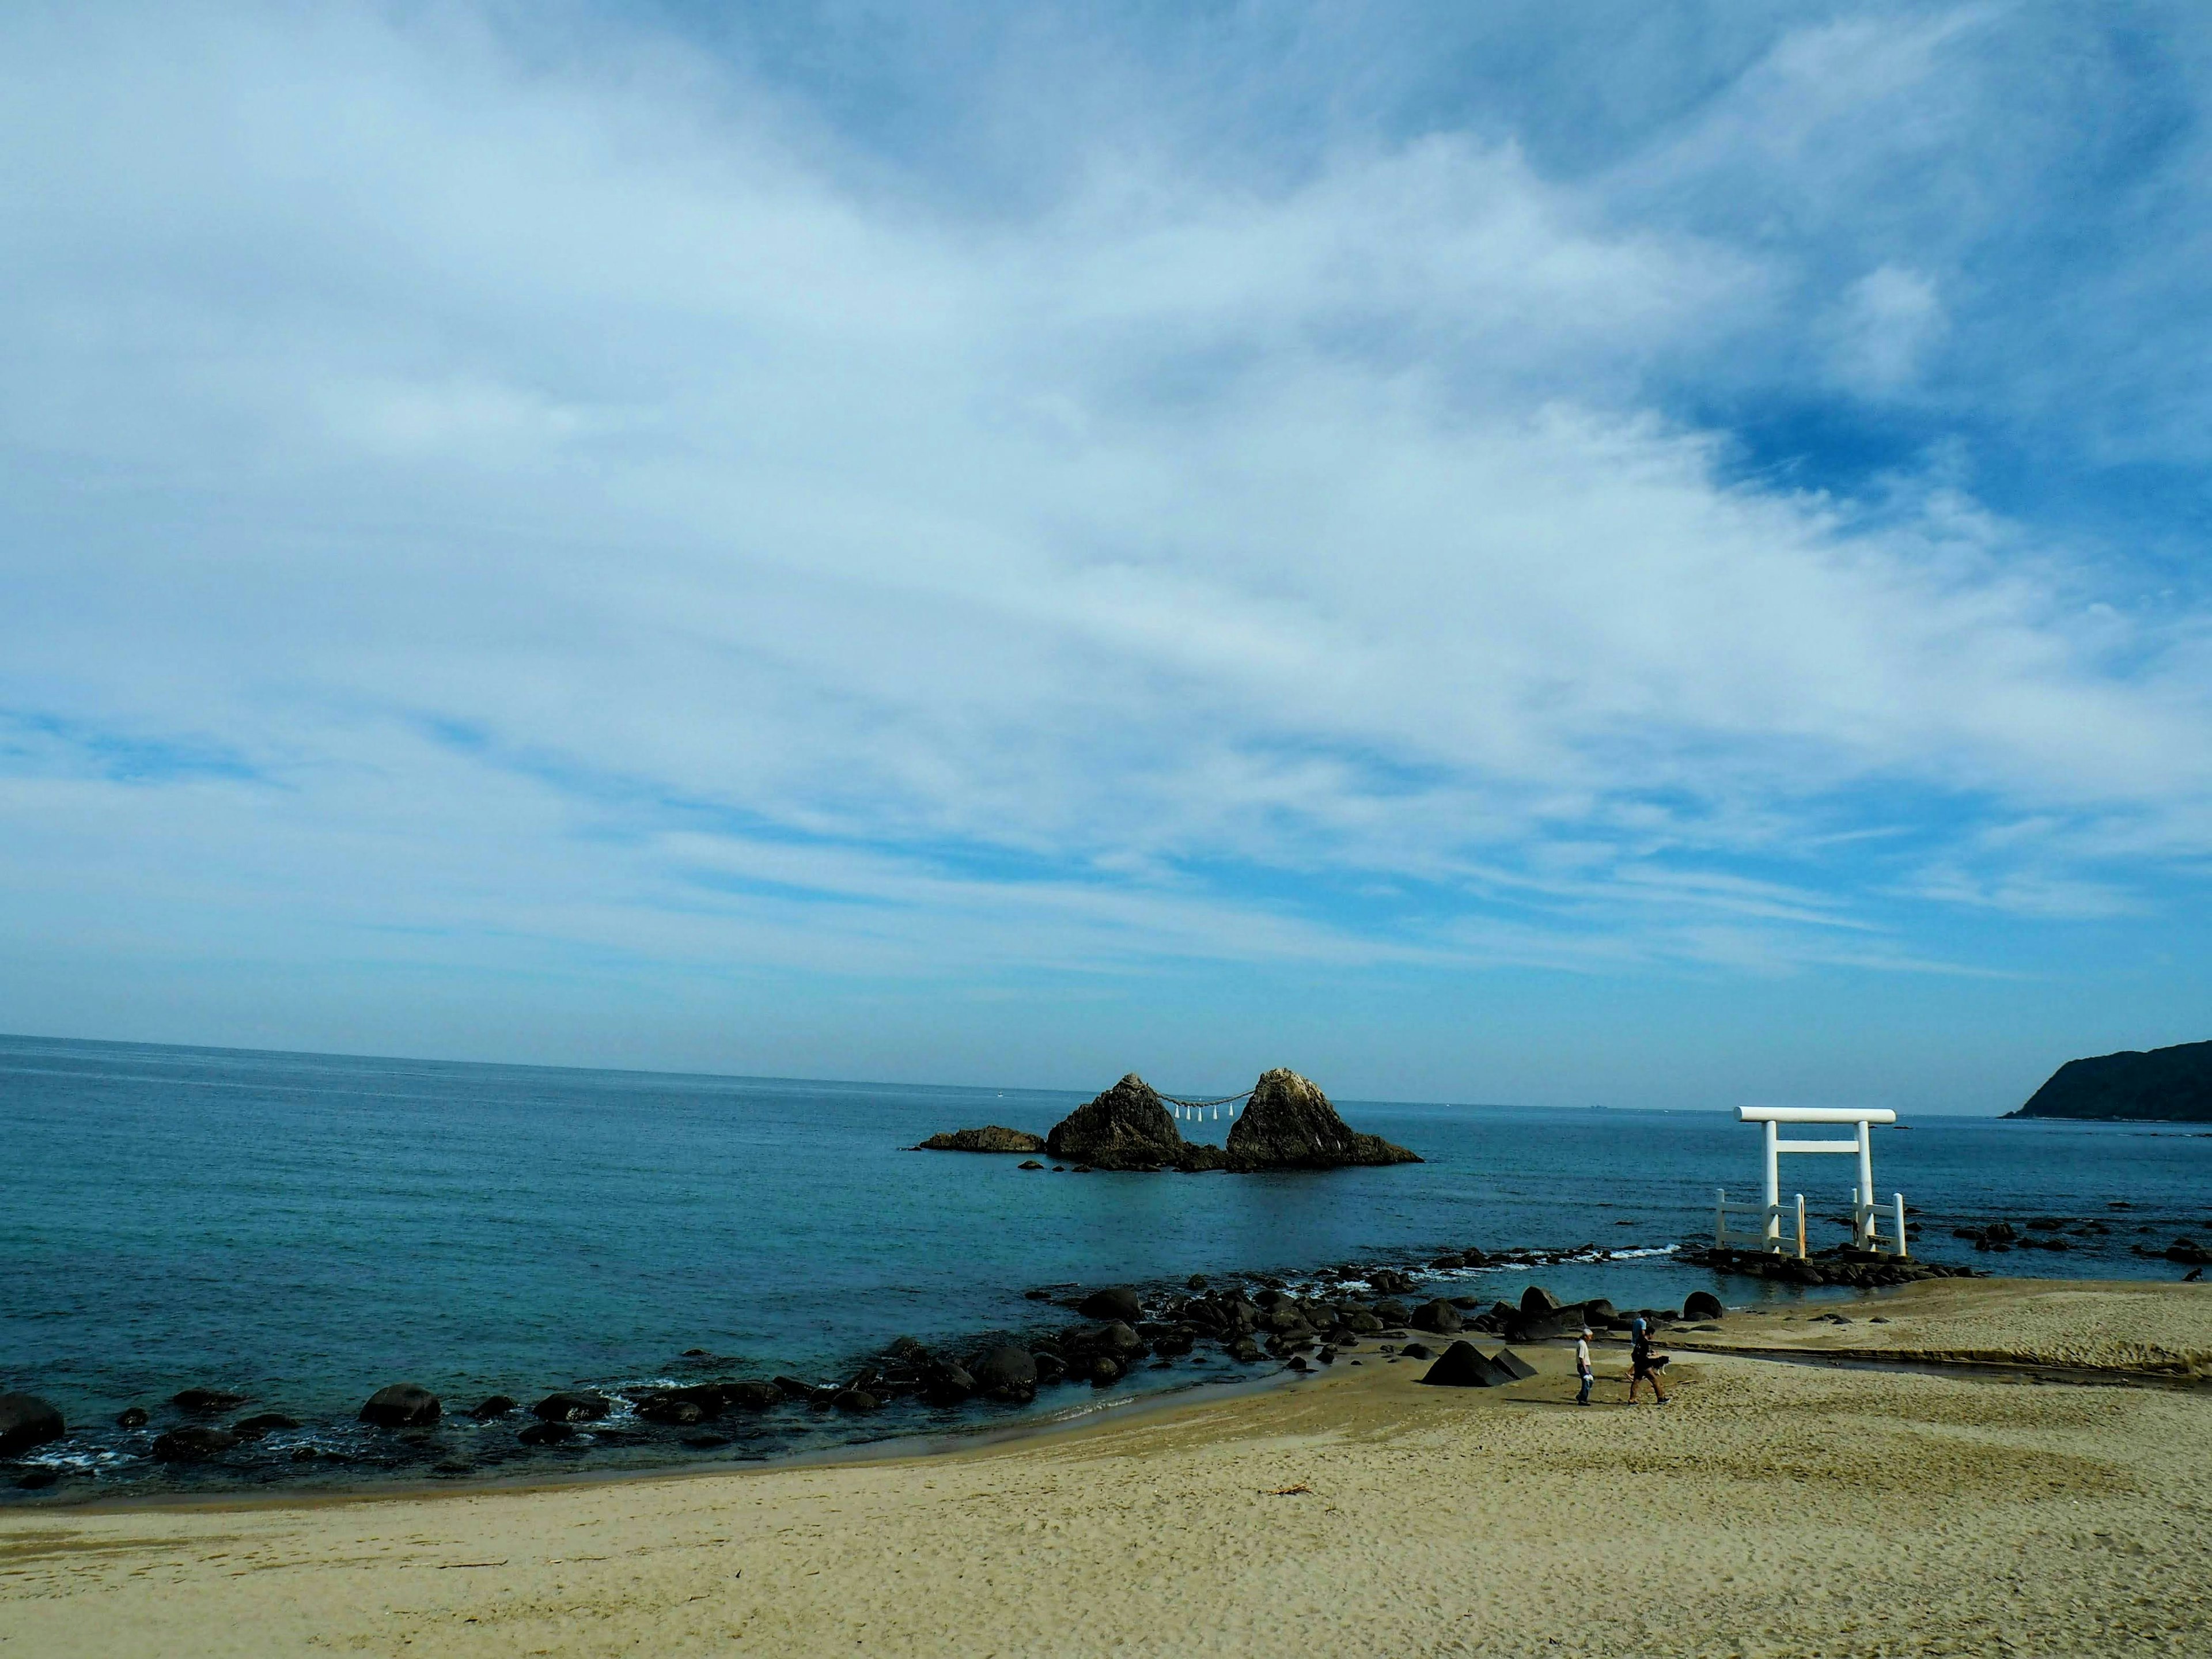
(301,1229)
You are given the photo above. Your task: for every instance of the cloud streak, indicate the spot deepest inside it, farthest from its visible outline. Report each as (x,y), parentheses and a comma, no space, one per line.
(586,495)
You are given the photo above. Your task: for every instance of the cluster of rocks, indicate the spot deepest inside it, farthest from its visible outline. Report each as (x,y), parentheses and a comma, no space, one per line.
(2038,1233)
(1287,1123)
(1856,1268)
(2186,1251)
(1117,1330)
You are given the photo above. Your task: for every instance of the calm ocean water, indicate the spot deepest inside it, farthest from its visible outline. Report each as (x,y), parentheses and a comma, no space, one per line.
(301,1229)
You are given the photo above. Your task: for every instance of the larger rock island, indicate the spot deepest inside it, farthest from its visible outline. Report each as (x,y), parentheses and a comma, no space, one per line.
(1286,1124)
(2163,1086)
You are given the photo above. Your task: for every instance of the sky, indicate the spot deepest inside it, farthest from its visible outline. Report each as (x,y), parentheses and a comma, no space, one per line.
(1627,555)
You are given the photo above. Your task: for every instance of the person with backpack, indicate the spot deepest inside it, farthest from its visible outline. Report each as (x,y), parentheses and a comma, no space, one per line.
(1642,1364)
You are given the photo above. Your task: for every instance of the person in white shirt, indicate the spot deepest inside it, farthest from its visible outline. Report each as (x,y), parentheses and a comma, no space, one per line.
(1582,1366)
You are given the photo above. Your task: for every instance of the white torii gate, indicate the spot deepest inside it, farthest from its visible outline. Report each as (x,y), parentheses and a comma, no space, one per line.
(1769,1237)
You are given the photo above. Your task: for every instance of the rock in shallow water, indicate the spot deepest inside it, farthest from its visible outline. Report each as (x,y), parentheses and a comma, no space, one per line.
(193,1444)
(1007,1373)
(133,1417)
(201,1401)
(546,1434)
(401,1405)
(251,1428)
(1115,1302)
(26,1421)
(568,1406)
(497,1405)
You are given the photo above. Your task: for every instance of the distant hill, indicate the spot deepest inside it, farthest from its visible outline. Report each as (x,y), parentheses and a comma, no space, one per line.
(2164,1084)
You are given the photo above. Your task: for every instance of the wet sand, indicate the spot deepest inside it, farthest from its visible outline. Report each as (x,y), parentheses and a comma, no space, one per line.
(1772,1509)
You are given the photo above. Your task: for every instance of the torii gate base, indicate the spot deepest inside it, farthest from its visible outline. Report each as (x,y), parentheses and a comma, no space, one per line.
(1864,1233)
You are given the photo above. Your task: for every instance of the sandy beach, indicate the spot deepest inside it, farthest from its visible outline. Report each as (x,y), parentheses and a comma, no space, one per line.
(1774,1508)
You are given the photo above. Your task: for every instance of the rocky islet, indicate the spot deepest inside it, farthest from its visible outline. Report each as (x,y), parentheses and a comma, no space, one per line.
(1286,1123)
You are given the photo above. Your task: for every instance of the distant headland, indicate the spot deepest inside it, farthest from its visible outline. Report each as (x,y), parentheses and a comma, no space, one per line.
(2160,1085)
(1284,1123)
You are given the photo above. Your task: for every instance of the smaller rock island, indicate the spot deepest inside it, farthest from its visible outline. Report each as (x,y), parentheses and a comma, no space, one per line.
(991,1138)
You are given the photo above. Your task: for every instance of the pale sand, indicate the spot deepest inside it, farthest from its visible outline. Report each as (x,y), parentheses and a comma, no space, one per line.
(1775,1508)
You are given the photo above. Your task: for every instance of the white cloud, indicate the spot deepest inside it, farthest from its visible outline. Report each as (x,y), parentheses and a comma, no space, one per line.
(377,379)
(1885,324)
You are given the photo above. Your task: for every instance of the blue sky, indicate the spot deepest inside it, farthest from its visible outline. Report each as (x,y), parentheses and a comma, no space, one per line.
(1657,559)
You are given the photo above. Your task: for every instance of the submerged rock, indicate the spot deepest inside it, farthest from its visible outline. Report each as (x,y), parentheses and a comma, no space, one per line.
(497,1405)
(546,1434)
(991,1138)
(251,1428)
(1289,1124)
(193,1444)
(568,1406)
(132,1417)
(1126,1127)
(401,1405)
(26,1421)
(202,1402)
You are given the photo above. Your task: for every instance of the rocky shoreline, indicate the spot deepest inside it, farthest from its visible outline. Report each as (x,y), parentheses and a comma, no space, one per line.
(1192,1331)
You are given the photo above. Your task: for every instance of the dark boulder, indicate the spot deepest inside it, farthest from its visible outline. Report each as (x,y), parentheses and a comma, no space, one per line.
(1198,1158)
(1029,1163)
(672,1409)
(26,1421)
(549,1433)
(1512,1365)
(1115,1302)
(1701,1304)
(796,1388)
(1050,1367)
(991,1138)
(750,1397)
(193,1444)
(1537,1303)
(1007,1373)
(572,1407)
(856,1401)
(253,1428)
(202,1402)
(1126,1127)
(947,1384)
(1390,1313)
(133,1417)
(401,1405)
(1244,1351)
(38,1480)
(1104,1373)
(1417,1351)
(1439,1317)
(1464,1366)
(1289,1124)
(497,1405)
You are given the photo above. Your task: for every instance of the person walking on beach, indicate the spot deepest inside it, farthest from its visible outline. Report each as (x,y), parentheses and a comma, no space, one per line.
(1582,1366)
(1642,1366)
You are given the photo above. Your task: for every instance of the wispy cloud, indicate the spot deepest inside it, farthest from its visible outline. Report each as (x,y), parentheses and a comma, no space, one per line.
(616,497)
